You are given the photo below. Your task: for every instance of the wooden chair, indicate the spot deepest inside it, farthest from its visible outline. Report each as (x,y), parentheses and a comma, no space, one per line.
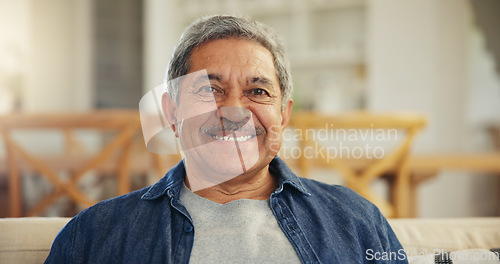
(124,125)
(359,173)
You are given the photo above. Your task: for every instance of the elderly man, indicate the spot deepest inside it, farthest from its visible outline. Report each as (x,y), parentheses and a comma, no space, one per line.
(231,199)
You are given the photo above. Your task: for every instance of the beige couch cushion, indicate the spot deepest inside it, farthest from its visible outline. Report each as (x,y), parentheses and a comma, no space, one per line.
(27,240)
(420,236)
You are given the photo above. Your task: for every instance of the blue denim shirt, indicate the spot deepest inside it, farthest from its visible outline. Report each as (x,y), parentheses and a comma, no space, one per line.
(324,223)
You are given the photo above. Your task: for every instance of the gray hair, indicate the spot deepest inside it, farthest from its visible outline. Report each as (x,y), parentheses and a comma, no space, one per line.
(222,27)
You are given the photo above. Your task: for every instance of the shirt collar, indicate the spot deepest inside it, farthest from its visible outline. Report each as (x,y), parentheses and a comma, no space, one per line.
(172,182)
(285,176)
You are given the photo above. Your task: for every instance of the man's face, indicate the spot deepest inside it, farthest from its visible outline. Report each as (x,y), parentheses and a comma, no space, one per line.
(230,120)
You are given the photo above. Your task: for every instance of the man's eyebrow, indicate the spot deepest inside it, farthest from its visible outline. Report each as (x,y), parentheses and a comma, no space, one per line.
(260,80)
(251,80)
(202,79)
(215,77)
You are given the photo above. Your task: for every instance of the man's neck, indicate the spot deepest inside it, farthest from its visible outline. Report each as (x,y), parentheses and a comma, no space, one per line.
(256,187)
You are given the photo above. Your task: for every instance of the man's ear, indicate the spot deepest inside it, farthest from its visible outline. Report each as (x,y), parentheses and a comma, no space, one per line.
(170,111)
(286,112)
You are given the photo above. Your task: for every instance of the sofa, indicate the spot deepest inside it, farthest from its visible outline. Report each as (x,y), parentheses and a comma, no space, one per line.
(28,240)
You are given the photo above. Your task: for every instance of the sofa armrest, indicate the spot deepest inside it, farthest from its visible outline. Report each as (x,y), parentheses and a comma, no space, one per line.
(28,240)
(427,236)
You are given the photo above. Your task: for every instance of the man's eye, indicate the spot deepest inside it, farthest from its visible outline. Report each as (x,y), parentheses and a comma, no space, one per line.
(258,92)
(207,89)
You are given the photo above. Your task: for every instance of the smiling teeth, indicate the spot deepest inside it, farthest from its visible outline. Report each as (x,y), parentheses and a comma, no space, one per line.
(228,138)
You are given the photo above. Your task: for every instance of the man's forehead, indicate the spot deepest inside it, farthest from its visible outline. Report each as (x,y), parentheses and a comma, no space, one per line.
(250,79)
(236,60)
(239,51)
(221,60)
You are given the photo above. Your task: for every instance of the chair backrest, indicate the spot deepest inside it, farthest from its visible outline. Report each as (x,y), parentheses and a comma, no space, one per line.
(122,124)
(356,167)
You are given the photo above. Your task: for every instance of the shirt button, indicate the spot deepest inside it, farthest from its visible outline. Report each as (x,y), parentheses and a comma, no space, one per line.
(188,228)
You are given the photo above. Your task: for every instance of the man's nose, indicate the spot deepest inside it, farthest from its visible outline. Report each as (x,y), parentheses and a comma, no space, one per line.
(234,114)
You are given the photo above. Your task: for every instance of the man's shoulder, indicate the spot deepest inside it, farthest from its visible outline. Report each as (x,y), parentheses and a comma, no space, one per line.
(117,209)
(325,190)
(121,202)
(318,190)
(143,203)
(337,198)
(112,225)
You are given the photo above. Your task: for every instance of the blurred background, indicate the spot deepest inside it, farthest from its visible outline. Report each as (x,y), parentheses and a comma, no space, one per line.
(440,59)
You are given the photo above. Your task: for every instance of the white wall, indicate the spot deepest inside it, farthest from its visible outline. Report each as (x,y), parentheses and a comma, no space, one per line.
(14,39)
(160,36)
(54,41)
(14,28)
(484,83)
(84,58)
(419,61)
(59,70)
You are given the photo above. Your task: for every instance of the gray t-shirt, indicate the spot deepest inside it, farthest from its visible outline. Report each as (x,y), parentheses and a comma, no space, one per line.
(241,231)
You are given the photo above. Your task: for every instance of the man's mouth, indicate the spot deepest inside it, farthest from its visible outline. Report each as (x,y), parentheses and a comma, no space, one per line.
(231,131)
(233,138)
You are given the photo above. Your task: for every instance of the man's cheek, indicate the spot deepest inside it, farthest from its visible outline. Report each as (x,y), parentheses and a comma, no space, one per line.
(189,130)
(274,137)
